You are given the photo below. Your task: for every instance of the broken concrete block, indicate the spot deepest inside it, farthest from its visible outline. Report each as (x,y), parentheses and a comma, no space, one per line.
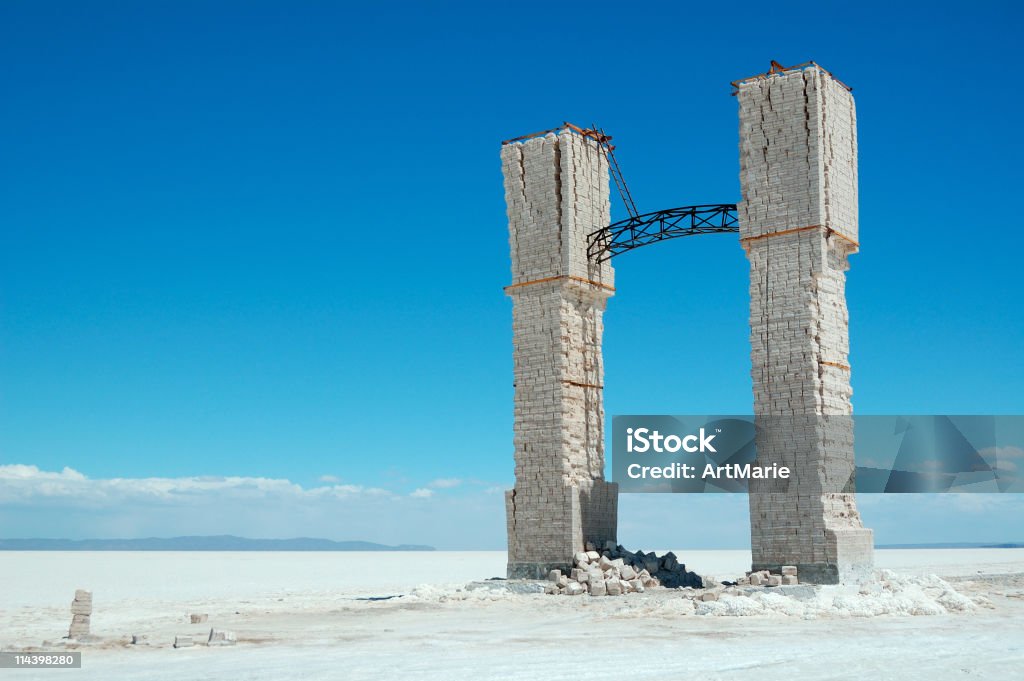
(551,589)
(79,626)
(140,640)
(593,556)
(563,581)
(775,580)
(637,585)
(709,596)
(788,570)
(554,575)
(598,588)
(182,641)
(581,558)
(198,618)
(613,587)
(221,637)
(80,608)
(574,589)
(789,580)
(755,579)
(627,572)
(83,595)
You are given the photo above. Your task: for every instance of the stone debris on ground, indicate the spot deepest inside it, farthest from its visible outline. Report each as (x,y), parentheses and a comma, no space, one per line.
(81,613)
(885,593)
(198,618)
(615,571)
(221,637)
(788,577)
(182,641)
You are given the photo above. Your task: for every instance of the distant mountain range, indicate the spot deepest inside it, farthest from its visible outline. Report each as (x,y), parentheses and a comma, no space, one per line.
(955,545)
(217,543)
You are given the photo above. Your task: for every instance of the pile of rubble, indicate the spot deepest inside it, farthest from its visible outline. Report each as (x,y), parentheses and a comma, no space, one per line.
(614,571)
(766,578)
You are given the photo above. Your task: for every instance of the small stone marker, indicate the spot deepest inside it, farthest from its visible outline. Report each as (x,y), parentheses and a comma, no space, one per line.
(182,641)
(81,612)
(198,618)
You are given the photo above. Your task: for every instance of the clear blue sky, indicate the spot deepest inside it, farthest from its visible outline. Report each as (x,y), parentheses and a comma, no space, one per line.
(267,240)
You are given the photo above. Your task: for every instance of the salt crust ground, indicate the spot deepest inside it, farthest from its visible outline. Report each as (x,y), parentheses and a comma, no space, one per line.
(936,615)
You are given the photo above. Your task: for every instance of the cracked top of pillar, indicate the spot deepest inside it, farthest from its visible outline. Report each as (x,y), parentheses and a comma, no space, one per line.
(798,155)
(557,193)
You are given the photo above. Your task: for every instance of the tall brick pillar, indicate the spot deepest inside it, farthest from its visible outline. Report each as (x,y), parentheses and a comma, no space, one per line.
(556,190)
(798,225)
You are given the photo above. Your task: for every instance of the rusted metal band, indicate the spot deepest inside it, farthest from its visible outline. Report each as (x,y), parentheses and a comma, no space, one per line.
(777,68)
(794,230)
(837,365)
(595,135)
(584,385)
(844,237)
(564,277)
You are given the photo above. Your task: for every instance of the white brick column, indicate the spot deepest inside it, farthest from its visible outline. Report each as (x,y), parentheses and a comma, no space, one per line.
(556,190)
(798,225)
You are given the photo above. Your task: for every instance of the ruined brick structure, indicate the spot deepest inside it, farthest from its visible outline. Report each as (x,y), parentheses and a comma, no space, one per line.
(798,225)
(556,188)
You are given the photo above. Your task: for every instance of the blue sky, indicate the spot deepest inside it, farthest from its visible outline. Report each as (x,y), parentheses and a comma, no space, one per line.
(266,243)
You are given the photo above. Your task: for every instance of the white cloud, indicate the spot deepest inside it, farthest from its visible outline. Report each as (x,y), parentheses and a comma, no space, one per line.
(66,503)
(446,483)
(329,478)
(28,484)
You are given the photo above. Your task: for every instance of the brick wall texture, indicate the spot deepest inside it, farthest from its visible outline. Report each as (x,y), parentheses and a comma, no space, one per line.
(798,225)
(556,190)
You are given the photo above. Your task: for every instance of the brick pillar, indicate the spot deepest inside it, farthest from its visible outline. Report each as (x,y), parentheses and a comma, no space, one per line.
(556,190)
(798,225)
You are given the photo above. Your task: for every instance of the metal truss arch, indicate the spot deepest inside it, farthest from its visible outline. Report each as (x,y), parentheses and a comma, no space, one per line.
(673,223)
